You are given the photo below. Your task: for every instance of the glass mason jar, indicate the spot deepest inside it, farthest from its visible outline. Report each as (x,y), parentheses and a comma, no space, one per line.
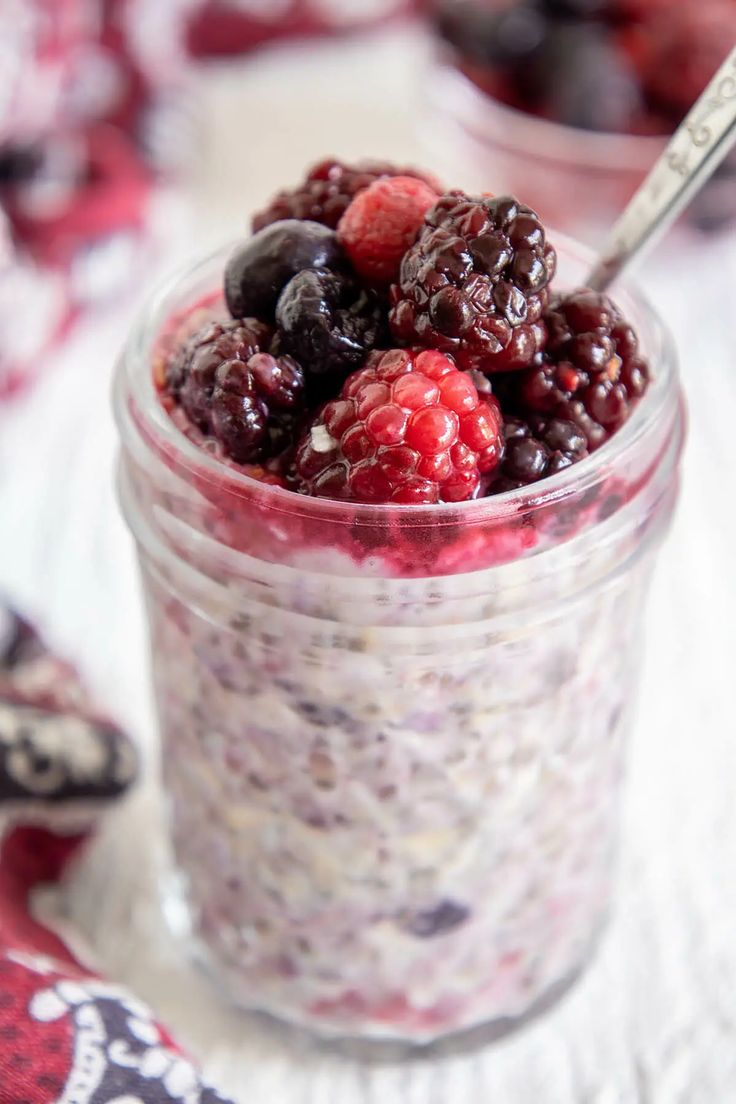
(393,737)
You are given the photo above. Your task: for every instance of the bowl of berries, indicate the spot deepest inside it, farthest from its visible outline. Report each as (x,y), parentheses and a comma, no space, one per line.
(570,102)
(397,481)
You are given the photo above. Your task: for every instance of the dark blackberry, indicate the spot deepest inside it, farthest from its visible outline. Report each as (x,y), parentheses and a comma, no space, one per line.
(190,374)
(328,190)
(475,283)
(591,372)
(260,268)
(579,78)
(247,399)
(535,449)
(329,323)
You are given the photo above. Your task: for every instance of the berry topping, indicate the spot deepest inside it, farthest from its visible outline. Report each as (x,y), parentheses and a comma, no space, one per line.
(329,189)
(245,398)
(409,427)
(260,268)
(381,223)
(591,372)
(329,323)
(475,283)
(536,449)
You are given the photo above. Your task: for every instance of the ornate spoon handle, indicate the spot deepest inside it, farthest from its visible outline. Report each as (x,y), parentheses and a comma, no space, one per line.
(695,151)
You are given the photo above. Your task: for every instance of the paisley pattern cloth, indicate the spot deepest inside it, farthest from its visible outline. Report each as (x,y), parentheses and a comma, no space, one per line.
(66,1035)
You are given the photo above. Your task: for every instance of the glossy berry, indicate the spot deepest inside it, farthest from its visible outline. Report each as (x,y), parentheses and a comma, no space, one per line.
(245,398)
(409,427)
(536,449)
(259,269)
(591,373)
(475,283)
(381,223)
(329,323)
(328,190)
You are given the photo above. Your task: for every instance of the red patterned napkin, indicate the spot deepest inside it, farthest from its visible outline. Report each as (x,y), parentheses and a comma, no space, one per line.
(67,1036)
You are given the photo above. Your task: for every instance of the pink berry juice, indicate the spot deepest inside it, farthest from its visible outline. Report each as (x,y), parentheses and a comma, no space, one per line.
(393,736)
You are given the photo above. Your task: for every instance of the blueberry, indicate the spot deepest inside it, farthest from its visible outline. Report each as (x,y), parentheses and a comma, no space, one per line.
(329,323)
(439,920)
(260,268)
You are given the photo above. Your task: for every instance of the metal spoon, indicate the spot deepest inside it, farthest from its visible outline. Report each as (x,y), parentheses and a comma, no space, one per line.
(694,152)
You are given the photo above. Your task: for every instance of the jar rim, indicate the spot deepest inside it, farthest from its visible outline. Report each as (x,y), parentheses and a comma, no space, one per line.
(486,118)
(159,428)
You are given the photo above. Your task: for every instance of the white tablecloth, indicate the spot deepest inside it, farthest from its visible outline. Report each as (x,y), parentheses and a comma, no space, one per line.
(654,1020)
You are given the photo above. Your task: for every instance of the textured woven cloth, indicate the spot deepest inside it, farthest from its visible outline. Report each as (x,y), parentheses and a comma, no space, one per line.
(66,1035)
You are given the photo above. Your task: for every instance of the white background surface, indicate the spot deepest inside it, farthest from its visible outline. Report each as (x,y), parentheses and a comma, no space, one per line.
(654,1020)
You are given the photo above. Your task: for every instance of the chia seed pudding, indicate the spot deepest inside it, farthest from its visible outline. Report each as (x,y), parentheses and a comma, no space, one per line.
(392,734)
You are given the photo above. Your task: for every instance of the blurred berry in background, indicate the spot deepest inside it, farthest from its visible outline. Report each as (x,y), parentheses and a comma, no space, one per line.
(617,68)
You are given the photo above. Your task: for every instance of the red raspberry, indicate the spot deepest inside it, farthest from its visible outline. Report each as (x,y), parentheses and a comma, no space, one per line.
(381,223)
(409,427)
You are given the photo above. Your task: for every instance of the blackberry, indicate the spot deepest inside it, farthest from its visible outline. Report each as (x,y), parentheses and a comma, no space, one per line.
(591,372)
(260,268)
(248,400)
(329,323)
(328,190)
(190,374)
(475,283)
(535,449)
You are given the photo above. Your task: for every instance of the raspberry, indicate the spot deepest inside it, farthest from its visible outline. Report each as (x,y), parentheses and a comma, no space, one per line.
(329,189)
(260,268)
(475,283)
(381,223)
(591,372)
(246,399)
(409,427)
(329,323)
(535,449)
